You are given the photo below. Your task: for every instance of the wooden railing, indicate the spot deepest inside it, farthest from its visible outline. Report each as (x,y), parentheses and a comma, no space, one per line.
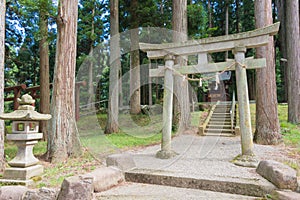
(18,89)
(232,111)
(202,127)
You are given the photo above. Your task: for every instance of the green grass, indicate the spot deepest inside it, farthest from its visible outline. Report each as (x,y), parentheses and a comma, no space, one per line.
(135,131)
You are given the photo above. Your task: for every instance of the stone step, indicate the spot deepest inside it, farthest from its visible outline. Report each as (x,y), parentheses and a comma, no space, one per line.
(221,116)
(219,126)
(221,134)
(244,186)
(220,119)
(141,191)
(219,123)
(216,130)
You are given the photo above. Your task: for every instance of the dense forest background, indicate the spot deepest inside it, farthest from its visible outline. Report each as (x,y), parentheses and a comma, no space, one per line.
(205,18)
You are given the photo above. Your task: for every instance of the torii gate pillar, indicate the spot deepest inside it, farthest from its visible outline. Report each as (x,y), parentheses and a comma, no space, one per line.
(166,150)
(243,102)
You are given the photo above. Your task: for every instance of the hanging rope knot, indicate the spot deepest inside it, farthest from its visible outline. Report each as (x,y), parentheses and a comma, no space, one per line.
(242,65)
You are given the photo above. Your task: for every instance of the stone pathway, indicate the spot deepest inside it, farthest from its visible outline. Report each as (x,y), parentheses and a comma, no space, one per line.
(201,163)
(132,191)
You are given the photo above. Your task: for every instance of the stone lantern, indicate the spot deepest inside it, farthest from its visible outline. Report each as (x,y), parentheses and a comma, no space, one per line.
(25,134)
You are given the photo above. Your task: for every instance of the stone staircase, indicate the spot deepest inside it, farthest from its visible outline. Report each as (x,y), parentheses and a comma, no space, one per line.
(219,120)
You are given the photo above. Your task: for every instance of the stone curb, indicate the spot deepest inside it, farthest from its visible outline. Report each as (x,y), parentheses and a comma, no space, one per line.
(281,175)
(75,187)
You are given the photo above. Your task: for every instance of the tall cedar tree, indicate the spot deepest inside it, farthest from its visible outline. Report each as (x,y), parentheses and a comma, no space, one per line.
(44,64)
(293,60)
(281,7)
(135,91)
(2,50)
(63,140)
(181,91)
(267,123)
(112,125)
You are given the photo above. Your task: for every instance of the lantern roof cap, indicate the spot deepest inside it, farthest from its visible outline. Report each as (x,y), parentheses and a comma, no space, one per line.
(25,111)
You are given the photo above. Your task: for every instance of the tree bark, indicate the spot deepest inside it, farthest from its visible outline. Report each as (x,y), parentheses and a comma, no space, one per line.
(112,125)
(91,65)
(181,115)
(267,123)
(210,24)
(282,38)
(44,68)
(237,4)
(293,60)
(226,24)
(2,50)
(135,90)
(63,140)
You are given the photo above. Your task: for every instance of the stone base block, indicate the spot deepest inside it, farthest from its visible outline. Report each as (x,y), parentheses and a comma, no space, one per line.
(17,182)
(124,162)
(16,173)
(246,161)
(166,154)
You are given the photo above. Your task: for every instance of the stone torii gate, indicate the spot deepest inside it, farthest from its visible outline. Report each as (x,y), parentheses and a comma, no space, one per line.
(238,44)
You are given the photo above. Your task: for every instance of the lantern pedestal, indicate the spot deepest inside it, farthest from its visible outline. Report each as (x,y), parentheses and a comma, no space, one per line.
(20,174)
(25,143)
(24,166)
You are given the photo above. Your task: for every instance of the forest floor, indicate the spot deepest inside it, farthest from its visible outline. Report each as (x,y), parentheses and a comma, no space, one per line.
(97,146)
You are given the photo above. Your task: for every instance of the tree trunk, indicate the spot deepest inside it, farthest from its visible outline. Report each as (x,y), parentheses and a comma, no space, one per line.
(226,24)
(135,90)
(63,140)
(237,4)
(44,69)
(90,72)
(181,98)
(112,125)
(2,50)
(267,123)
(293,60)
(282,38)
(210,24)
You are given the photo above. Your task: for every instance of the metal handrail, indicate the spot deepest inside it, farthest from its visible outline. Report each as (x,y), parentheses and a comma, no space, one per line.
(232,111)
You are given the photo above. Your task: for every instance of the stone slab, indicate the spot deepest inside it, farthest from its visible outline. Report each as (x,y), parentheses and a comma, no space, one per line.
(16,173)
(137,191)
(281,175)
(25,137)
(41,194)
(285,195)
(251,187)
(122,161)
(17,182)
(12,192)
(76,187)
(105,178)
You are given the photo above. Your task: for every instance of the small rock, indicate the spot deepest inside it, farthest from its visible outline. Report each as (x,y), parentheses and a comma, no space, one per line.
(281,175)
(105,178)
(122,161)
(285,195)
(41,194)
(12,192)
(76,187)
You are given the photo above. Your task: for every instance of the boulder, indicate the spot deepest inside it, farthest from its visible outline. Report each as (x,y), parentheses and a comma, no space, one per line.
(41,194)
(281,175)
(122,161)
(76,187)
(12,192)
(105,178)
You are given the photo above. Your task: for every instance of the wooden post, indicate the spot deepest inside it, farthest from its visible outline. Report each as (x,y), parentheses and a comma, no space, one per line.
(166,150)
(243,102)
